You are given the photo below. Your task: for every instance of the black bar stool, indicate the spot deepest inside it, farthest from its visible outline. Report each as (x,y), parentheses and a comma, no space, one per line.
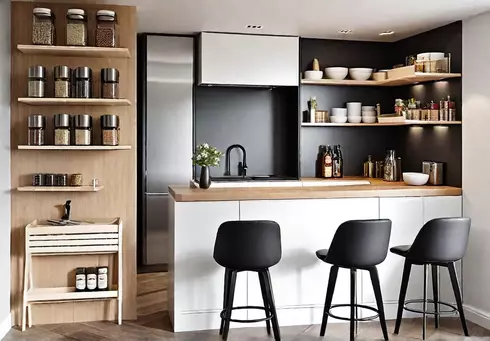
(248,246)
(440,242)
(357,244)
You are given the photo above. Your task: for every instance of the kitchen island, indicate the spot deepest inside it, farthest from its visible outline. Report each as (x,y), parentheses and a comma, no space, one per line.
(309,217)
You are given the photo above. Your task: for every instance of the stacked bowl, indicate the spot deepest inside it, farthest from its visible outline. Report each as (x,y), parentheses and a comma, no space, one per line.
(338,115)
(354,112)
(368,114)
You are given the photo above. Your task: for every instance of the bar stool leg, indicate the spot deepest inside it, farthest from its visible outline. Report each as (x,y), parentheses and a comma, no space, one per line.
(379,300)
(225,297)
(457,295)
(353,309)
(435,288)
(229,303)
(272,306)
(332,279)
(403,293)
(424,315)
(266,303)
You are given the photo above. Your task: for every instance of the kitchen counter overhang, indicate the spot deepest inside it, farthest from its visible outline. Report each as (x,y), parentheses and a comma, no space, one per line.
(377,189)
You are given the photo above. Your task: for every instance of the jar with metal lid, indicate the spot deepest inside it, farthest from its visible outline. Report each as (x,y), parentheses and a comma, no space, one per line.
(91,279)
(76,27)
(83,82)
(43,29)
(83,130)
(110,130)
(110,83)
(62,129)
(38,180)
(37,130)
(62,81)
(61,180)
(106,31)
(49,180)
(36,84)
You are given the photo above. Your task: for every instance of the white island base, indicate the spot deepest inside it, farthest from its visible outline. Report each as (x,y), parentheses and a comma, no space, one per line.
(300,279)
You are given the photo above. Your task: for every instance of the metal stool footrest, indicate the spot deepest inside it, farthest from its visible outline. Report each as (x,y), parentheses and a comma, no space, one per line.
(420,300)
(363,319)
(267,318)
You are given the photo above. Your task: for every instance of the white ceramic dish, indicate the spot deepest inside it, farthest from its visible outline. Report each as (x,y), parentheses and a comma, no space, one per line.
(436,55)
(338,112)
(354,119)
(338,119)
(313,75)
(368,113)
(354,108)
(415,179)
(360,73)
(337,73)
(368,119)
(423,56)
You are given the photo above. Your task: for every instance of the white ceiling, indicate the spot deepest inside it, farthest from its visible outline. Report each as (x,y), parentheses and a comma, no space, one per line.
(306,18)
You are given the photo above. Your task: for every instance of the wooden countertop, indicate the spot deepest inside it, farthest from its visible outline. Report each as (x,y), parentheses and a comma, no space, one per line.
(377,189)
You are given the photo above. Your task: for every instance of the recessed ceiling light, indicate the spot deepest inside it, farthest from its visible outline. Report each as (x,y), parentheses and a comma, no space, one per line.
(255,27)
(345,31)
(387,33)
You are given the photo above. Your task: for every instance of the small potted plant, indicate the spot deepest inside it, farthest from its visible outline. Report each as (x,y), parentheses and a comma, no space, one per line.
(206,156)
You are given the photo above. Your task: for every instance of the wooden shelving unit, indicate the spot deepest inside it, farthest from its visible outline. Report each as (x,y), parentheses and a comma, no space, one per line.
(26,147)
(63,294)
(60,188)
(406,123)
(75,101)
(75,51)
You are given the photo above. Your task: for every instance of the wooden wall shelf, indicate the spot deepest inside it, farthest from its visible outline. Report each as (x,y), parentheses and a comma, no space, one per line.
(62,294)
(60,188)
(25,147)
(75,101)
(406,123)
(75,51)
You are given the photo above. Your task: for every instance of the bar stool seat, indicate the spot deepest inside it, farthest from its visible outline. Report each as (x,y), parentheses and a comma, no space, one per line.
(322,255)
(401,250)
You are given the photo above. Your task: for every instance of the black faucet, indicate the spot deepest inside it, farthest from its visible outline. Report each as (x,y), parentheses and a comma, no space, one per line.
(242,166)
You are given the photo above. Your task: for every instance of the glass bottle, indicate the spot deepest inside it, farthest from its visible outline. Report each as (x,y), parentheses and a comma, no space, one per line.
(110,130)
(341,161)
(327,163)
(106,31)
(43,29)
(110,83)
(335,163)
(83,130)
(36,84)
(83,82)
(390,166)
(76,27)
(62,81)
(61,130)
(37,130)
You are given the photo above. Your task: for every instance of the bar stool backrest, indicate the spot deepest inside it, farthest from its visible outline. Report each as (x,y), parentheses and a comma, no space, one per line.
(360,243)
(441,240)
(248,245)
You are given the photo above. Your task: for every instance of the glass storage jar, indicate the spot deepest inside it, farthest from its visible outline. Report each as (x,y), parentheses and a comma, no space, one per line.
(83,82)
(110,83)
(76,27)
(110,130)
(36,84)
(37,130)
(62,130)
(106,31)
(83,130)
(43,31)
(62,81)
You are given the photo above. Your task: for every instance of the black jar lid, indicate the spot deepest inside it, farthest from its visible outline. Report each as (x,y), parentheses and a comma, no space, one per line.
(61,121)
(37,71)
(80,271)
(61,71)
(36,121)
(83,72)
(109,121)
(109,75)
(83,121)
(91,270)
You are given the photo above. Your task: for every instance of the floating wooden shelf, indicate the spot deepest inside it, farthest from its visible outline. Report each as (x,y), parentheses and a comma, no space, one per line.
(59,188)
(39,295)
(25,147)
(75,51)
(75,101)
(406,123)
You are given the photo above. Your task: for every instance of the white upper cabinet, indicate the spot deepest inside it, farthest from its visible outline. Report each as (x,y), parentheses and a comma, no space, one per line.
(248,60)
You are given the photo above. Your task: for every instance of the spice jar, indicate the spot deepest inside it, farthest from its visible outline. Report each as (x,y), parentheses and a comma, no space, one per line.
(102,278)
(83,82)
(62,81)
(110,130)
(38,180)
(110,83)
(76,180)
(62,129)
(76,27)
(106,31)
(37,128)
(49,180)
(61,180)
(43,31)
(36,85)
(91,278)
(83,130)
(80,279)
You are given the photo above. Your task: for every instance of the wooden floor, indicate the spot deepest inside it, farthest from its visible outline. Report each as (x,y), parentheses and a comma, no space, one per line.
(153,325)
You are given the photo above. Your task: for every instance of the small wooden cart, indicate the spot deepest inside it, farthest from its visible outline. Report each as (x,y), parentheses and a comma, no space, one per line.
(94,237)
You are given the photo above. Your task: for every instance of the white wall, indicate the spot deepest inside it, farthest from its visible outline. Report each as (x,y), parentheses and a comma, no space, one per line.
(5,323)
(476,165)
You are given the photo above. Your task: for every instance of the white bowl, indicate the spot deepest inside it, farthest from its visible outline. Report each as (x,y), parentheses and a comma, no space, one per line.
(338,112)
(436,55)
(415,179)
(338,119)
(360,73)
(338,73)
(368,108)
(354,119)
(368,113)
(313,75)
(354,108)
(423,56)
(368,119)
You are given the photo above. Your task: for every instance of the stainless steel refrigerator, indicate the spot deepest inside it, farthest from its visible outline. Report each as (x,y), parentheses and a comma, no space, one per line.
(166,66)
